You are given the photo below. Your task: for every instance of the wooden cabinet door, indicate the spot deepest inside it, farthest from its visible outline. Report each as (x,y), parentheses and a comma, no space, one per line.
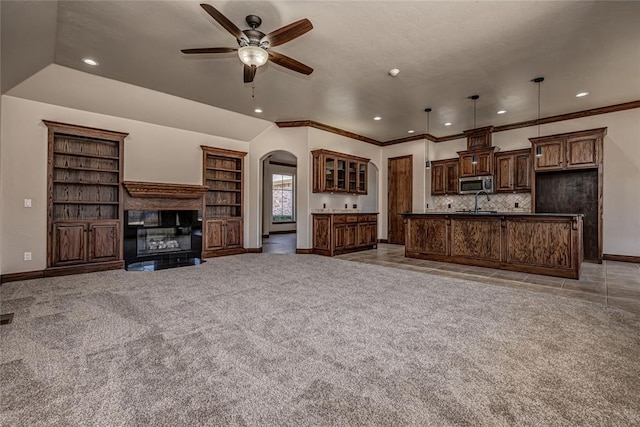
(485,164)
(363,234)
(504,173)
(372,233)
(321,232)
(352,176)
(329,173)
(437,178)
(452,183)
(69,243)
(522,171)
(467,168)
(552,157)
(338,236)
(363,177)
(350,235)
(104,242)
(582,152)
(341,174)
(214,234)
(233,233)
(318,173)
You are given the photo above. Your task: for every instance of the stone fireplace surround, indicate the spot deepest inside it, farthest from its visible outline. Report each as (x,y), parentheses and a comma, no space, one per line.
(162,225)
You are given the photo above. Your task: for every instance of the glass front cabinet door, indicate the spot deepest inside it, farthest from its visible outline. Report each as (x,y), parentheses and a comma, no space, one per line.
(338,172)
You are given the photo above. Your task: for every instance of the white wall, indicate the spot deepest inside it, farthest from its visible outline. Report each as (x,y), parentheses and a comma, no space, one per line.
(151,153)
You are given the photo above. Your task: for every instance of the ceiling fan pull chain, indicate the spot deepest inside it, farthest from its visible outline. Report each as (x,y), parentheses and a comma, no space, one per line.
(253,89)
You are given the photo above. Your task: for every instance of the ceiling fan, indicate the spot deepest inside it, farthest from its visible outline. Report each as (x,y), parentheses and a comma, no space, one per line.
(254,44)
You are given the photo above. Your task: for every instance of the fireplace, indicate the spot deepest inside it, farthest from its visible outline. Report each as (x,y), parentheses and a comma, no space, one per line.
(157,239)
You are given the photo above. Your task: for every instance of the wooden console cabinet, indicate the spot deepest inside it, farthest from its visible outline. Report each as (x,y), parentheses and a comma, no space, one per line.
(339,173)
(335,234)
(84,212)
(222,221)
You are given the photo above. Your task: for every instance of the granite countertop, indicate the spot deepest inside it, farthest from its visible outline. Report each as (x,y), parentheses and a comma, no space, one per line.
(340,212)
(492,213)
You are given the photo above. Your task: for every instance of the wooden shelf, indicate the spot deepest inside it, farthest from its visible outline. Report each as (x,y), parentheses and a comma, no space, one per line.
(90,156)
(58,181)
(79,168)
(82,202)
(224,204)
(223,180)
(209,168)
(223,190)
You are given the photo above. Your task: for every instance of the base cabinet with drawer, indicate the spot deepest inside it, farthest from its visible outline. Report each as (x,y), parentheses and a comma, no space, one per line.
(335,234)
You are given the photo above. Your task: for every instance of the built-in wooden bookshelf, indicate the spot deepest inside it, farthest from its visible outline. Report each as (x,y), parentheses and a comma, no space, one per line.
(84,198)
(223,174)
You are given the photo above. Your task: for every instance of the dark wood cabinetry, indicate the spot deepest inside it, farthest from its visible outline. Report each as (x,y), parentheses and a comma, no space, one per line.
(513,171)
(223,175)
(544,244)
(84,199)
(335,234)
(483,166)
(339,173)
(568,178)
(444,177)
(575,150)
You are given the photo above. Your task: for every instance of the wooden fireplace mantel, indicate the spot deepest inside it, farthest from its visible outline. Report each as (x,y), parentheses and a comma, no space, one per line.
(157,195)
(158,189)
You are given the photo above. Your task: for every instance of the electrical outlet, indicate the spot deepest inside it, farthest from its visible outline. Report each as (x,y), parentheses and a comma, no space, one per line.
(517,204)
(27,203)
(427,205)
(355,206)
(346,206)
(27,256)
(449,206)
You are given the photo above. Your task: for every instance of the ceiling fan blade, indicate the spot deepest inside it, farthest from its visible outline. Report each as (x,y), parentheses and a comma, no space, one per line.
(223,20)
(288,33)
(209,50)
(289,63)
(249,73)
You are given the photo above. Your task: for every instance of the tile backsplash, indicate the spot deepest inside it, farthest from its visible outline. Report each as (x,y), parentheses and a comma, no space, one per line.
(501,202)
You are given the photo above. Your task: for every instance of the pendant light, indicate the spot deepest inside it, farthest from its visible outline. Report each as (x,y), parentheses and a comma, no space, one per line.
(474,158)
(426,141)
(538,80)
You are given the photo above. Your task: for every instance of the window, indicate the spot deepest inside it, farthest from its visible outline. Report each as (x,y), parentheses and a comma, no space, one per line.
(282,198)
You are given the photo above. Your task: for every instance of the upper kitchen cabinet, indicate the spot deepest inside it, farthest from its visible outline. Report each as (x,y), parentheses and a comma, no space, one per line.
(513,171)
(575,150)
(482,166)
(444,177)
(335,172)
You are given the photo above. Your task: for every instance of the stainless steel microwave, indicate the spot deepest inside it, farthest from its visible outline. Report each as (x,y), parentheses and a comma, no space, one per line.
(473,184)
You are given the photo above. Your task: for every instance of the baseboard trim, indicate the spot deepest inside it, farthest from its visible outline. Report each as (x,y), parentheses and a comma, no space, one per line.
(283,232)
(25,275)
(304,251)
(265,236)
(254,250)
(621,258)
(84,268)
(383,241)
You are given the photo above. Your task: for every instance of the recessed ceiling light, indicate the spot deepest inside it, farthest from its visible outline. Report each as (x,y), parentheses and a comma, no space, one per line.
(501,112)
(581,94)
(90,61)
(394,72)
(377,118)
(258,110)
(411,131)
(447,124)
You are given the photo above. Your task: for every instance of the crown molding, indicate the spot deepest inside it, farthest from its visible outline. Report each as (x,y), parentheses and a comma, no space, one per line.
(551,119)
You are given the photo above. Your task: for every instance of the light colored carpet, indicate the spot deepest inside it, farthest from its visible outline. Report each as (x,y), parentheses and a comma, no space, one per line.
(262,339)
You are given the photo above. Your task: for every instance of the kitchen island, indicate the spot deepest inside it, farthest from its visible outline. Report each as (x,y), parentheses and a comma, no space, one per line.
(548,244)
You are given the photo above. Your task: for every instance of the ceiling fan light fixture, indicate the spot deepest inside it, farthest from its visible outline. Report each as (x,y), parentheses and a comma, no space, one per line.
(253,56)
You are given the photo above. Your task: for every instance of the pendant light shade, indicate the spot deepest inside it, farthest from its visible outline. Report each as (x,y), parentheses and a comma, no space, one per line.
(537,81)
(426,142)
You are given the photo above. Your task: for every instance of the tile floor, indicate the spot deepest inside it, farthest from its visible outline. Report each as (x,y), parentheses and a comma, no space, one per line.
(279,244)
(612,283)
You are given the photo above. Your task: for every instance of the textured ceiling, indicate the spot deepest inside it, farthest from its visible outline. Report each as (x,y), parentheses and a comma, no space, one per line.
(446,51)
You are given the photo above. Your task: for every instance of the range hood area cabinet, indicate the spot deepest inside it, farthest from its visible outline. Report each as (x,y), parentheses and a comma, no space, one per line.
(479,145)
(513,171)
(575,150)
(335,172)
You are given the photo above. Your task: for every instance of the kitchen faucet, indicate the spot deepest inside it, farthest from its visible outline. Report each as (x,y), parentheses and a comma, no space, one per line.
(475,209)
